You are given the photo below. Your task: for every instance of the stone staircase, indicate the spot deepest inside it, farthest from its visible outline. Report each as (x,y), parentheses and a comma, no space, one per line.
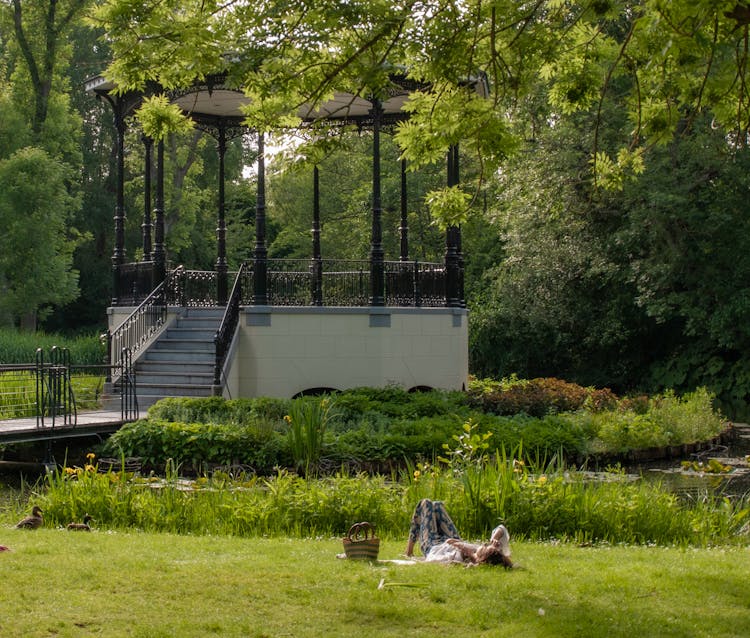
(181,361)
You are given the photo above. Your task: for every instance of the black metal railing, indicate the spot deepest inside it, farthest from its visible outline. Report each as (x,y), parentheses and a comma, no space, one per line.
(17,391)
(54,391)
(145,321)
(225,333)
(55,401)
(193,288)
(301,282)
(345,282)
(127,387)
(289,282)
(134,282)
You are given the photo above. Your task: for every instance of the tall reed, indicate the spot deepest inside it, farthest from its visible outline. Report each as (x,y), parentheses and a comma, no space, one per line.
(532,503)
(308,419)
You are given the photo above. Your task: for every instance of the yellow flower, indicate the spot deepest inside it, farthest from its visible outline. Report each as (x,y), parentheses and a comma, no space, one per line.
(287,418)
(89,468)
(417,474)
(91,456)
(542,480)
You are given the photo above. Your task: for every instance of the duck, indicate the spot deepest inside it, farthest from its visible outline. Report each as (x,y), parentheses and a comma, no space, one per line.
(81,527)
(33,521)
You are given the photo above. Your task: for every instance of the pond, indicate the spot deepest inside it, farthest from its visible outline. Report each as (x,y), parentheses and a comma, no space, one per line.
(695,481)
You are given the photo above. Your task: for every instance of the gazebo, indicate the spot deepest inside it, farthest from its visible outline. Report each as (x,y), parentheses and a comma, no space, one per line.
(281,327)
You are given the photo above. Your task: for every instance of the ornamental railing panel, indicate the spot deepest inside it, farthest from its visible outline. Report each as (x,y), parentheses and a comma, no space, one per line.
(431,285)
(134,282)
(289,282)
(195,289)
(293,282)
(345,282)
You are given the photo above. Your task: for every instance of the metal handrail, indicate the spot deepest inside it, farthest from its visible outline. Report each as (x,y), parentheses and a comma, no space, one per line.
(145,321)
(229,321)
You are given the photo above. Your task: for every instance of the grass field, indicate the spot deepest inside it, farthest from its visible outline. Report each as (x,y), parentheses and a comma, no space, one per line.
(59,583)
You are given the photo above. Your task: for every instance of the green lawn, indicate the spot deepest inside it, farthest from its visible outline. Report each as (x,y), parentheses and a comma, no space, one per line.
(58,583)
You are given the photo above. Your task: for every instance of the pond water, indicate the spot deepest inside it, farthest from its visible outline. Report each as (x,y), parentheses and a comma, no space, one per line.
(669,473)
(695,483)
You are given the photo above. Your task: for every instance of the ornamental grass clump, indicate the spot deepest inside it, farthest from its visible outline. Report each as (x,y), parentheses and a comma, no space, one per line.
(308,419)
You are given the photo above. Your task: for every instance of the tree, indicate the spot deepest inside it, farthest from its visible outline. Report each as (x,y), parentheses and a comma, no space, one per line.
(36,245)
(679,58)
(41,29)
(38,125)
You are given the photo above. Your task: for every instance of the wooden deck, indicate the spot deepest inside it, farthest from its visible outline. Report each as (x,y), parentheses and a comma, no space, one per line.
(86,424)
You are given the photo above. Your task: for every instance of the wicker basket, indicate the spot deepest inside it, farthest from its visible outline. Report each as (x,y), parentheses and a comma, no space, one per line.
(361,543)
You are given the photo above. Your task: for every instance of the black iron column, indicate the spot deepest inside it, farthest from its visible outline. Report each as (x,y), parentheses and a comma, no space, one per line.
(118,254)
(403,229)
(260,260)
(451,241)
(377,265)
(147,226)
(221,230)
(317,261)
(459,251)
(160,256)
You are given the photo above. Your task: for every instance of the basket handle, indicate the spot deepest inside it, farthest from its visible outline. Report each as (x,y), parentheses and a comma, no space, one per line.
(364,529)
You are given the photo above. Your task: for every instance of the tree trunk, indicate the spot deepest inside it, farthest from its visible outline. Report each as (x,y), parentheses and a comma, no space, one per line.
(28,322)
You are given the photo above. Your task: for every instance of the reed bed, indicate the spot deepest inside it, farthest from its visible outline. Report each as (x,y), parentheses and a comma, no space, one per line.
(18,392)
(538,503)
(20,347)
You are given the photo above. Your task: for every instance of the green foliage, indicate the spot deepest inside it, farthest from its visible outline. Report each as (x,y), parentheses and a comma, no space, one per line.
(36,246)
(159,117)
(20,347)
(220,411)
(157,442)
(308,419)
(384,428)
(537,502)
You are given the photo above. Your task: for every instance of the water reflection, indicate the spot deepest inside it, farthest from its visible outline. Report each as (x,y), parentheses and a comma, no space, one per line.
(691,482)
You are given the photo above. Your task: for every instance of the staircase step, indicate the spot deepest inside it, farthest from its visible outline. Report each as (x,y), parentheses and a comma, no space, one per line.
(181,362)
(174,367)
(192,333)
(185,344)
(184,390)
(179,357)
(174,377)
(197,324)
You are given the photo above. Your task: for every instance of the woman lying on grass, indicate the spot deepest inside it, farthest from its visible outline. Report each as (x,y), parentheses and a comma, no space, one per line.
(439,540)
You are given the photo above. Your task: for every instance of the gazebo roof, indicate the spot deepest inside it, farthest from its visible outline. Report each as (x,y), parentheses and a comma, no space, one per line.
(211,100)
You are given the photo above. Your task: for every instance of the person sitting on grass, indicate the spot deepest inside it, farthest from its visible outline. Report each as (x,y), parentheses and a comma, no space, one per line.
(439,540)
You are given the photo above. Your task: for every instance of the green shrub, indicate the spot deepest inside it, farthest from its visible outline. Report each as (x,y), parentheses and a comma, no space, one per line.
(396,402)
(372,430)
(686,419)
(621,432)
(220,410)
(669,420)
(196,444)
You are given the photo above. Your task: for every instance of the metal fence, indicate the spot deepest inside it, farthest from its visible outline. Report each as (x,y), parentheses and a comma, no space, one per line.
(52,390)
(289,282)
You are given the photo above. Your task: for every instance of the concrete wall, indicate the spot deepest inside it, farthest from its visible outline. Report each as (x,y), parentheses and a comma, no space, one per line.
(281,351)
